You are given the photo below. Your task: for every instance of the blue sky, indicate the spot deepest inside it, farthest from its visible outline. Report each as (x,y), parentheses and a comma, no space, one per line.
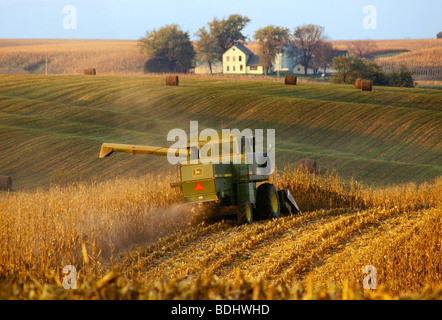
(130,19)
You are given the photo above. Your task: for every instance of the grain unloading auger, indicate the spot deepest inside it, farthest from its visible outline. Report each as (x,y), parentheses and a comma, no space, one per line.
(228,183)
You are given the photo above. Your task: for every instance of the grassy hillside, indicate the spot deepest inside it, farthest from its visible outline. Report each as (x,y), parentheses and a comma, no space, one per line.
(51,127)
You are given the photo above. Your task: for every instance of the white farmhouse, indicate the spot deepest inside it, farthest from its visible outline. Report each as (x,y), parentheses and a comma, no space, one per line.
(238,59)
(300,69)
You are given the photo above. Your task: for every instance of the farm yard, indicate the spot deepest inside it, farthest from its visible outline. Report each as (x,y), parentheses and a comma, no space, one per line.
(25,56)
(376,200)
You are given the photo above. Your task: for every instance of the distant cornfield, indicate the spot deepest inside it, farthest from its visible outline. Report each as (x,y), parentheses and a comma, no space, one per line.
(419,73)
(426,64)
(70,56)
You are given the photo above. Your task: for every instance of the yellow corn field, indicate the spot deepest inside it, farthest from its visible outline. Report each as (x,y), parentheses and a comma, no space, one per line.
(132,238)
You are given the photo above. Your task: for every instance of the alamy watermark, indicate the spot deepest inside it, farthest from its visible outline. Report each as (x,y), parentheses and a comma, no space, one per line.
(70,281)
(370,18)
(369,281)
(70,19)
(210,146)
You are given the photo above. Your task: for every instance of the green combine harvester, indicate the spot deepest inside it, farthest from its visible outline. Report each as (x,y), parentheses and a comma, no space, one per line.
(229,183)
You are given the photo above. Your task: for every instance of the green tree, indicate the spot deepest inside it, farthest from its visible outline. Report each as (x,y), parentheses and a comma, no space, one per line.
(272,40)
(343,67)
(350,68)
(401,78)
(227,32)
(371,71)
(206,48)
(168,50)
(308,38)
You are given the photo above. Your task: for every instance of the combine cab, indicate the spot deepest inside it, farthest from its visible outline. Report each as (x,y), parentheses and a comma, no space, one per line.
(227,178)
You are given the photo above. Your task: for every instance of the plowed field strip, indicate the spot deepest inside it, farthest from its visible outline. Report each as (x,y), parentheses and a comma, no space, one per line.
(271,249)
(156,251)
(358,250)
(207,254)
(301,242)
(279,255)
(328,238)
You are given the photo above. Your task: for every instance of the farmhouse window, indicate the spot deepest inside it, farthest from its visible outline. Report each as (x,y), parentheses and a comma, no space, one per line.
(253,67)
(227,58)
(239,58)
(227,68)
(240,67)
(233,58)
(233,68)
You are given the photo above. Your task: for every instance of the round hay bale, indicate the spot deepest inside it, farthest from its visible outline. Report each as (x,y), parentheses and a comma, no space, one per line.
(358,83)
(309,165)
(172,81)
(290,79)
(90,72)
(5,183)
(367,85)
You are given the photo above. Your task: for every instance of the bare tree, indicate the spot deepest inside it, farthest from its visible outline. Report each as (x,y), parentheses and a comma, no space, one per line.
(308,39)
(324,56)
(362,48)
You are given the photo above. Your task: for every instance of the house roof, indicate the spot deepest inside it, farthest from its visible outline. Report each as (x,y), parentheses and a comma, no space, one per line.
(253,60)
(243,49)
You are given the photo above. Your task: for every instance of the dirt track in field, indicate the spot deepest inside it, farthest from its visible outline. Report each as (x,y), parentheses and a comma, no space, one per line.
(290,249)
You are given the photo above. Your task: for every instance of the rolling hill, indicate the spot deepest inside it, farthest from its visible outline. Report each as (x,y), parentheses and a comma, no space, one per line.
(51,127)
(118,221)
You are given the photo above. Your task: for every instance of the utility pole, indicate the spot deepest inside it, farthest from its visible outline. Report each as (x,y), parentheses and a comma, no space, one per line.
(46,70)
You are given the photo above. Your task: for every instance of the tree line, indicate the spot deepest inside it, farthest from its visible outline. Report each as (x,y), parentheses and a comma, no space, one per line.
(169,49)
(348,69)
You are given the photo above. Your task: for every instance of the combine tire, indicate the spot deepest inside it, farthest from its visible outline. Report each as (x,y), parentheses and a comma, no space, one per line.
(245,213)
(267,202)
